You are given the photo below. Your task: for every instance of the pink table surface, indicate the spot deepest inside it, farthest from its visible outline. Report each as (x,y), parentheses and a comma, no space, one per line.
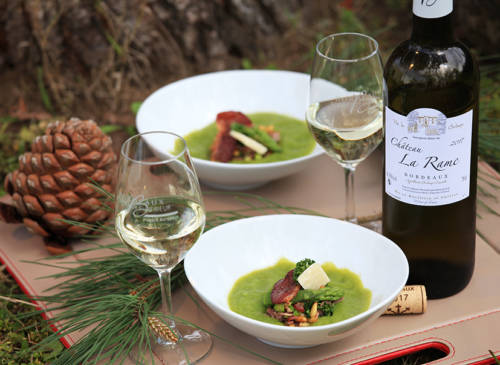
(467,323)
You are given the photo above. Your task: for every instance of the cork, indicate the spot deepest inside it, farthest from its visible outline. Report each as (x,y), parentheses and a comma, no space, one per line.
(411,300)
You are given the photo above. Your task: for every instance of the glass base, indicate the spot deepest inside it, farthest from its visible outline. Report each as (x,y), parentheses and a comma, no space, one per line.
(193,346)
(373,225)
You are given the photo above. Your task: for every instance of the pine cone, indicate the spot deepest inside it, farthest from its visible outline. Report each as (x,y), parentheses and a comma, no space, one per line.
(52,182)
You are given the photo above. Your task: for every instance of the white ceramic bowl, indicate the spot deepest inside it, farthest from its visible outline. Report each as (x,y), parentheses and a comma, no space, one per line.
(193,103)
(227,252)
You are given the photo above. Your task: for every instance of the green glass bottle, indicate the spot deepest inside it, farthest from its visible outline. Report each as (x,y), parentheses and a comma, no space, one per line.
(430,164)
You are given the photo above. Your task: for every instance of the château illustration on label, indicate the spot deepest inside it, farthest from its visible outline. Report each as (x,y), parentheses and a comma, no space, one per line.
(430,165)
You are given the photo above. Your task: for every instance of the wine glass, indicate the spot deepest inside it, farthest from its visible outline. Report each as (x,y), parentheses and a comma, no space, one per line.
(346,98)
(159,215)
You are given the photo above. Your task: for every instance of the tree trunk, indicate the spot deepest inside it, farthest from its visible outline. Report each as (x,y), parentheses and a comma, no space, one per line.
(83,57)
(92,51)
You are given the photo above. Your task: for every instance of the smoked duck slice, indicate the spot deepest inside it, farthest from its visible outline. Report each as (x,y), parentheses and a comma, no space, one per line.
(224,145)
(285,289)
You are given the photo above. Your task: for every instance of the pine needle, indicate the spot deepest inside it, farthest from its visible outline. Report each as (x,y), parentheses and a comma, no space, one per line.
(43,90)
(489,117)
(13,300)
(115,295)
(497,360)
(487,207)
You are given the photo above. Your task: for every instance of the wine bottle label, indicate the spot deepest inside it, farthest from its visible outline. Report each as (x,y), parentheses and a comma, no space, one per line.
(427,156)
(432,8)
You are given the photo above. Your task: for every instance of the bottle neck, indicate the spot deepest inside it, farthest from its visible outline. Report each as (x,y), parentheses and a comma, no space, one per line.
(432,30)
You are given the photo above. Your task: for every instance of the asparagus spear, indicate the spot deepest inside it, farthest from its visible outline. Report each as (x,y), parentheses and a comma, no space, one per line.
(258,135)
(317,295)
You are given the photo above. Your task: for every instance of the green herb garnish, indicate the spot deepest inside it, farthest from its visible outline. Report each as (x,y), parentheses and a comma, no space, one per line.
(279,307)
(301,266)
(326,308)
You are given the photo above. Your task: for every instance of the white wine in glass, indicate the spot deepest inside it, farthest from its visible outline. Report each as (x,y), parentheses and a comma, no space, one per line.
(159,216)
(346,99)
(348,128)
(160,230)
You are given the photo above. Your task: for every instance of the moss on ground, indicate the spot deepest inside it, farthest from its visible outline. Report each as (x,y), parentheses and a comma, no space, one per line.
(18,336)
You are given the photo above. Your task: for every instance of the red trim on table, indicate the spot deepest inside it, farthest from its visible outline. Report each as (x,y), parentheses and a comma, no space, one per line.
(28,290)
(406,351)
(489,361)
(452,353)
(480,360)
(382,352)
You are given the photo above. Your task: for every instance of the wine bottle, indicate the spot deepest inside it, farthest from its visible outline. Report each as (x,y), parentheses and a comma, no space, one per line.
(430,164)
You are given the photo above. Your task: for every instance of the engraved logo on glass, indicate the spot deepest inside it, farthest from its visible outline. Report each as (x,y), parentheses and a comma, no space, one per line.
(151,212)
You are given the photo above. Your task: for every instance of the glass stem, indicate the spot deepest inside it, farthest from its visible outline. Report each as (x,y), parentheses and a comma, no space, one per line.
(350,214)
(166,292)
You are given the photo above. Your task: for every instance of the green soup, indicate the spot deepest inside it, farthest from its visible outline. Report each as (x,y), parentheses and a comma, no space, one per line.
(250,292)
(296,141)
